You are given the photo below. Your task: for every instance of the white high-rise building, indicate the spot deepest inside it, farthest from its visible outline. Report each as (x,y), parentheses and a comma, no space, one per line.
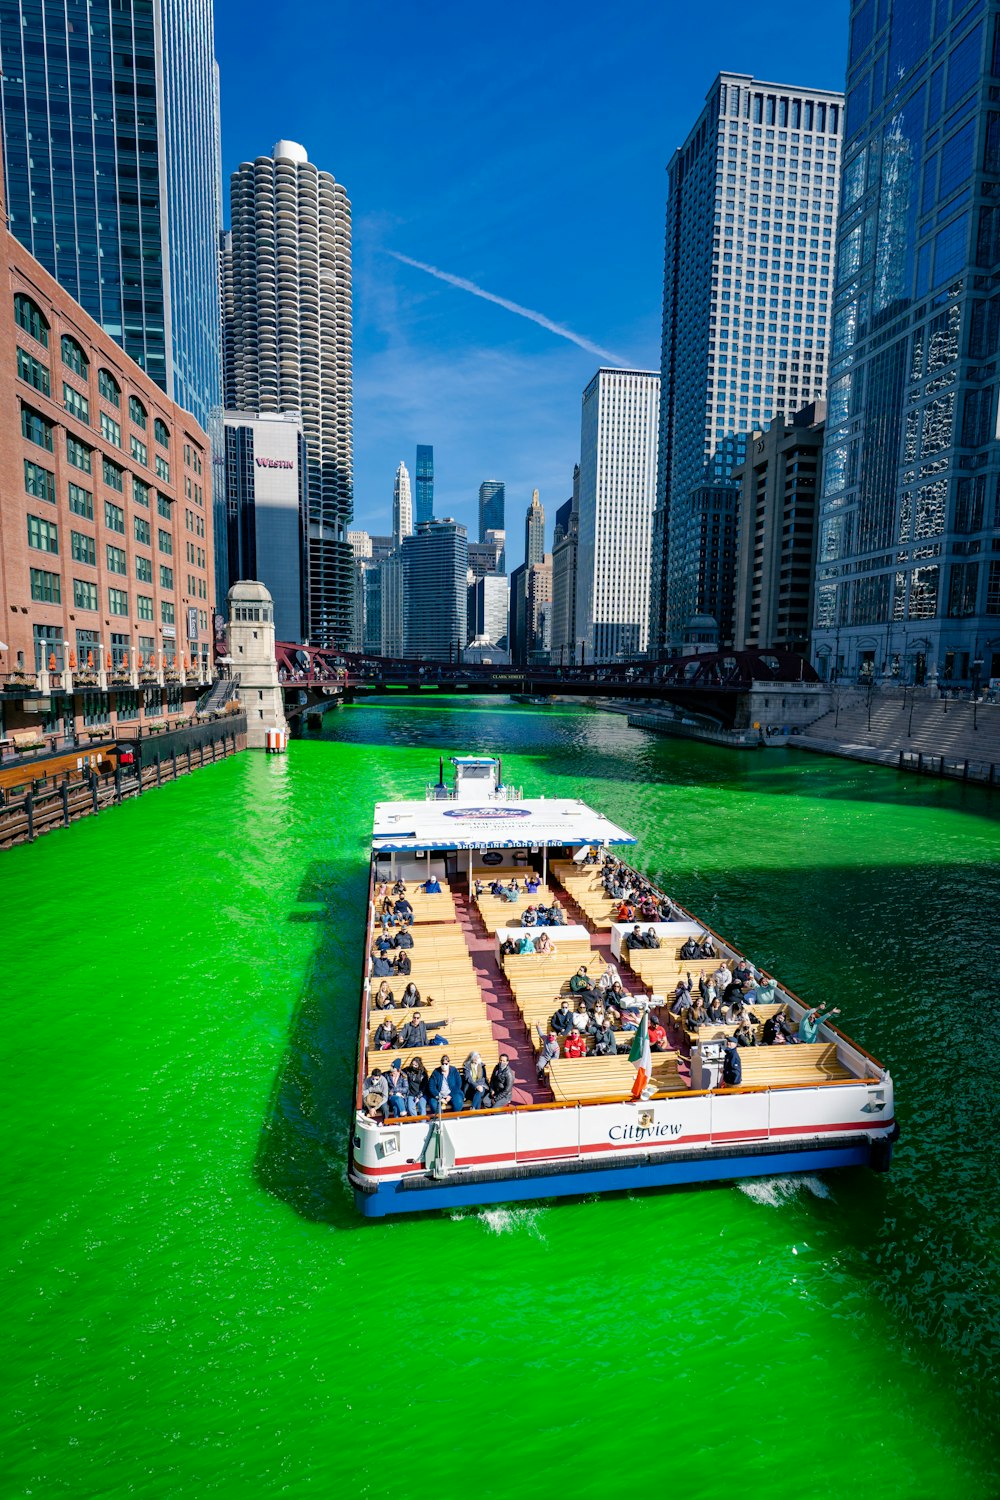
(618,444)
(286,274)
(747,290)
(402,506)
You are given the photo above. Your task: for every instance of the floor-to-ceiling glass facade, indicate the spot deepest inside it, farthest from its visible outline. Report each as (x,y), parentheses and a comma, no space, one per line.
(424,495)
(906,585)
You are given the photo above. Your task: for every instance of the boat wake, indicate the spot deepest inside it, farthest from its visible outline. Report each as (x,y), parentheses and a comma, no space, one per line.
(775,1192)
(508,1220)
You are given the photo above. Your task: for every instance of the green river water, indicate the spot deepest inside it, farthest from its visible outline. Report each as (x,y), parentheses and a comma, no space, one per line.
(192,1307)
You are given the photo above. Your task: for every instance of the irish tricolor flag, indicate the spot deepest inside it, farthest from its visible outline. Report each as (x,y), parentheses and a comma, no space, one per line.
(640,1057)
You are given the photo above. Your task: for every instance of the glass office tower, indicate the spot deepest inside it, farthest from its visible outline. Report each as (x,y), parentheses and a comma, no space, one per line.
(748,270)
(491,506)
(113,173)
(906,584)
(435,561)
(425,482)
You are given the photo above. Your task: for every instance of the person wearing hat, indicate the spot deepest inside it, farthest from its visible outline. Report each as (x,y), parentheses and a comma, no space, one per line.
(375,1094)
(549,1053)
(732,1067)
(529,917)
(386,1036)
(399,1090)
(445,1084)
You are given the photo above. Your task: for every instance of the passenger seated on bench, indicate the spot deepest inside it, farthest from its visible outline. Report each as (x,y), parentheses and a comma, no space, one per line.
(650,939)
(403,939)
(399,1089)
(745,1034)
(508,946)
(417,1084)
(697,1014)
(386,1036)
(477,889)
(501,1084)
(682,998)
(722,979)
(813,1020)
(532,884)
(474,1081)
(604,1037)
(665,908)
(545,943)
(574,1046)
(414,1033)
(742,971)
(581,981)
(766,991)
(510,892)
(714,1013)
(432,886)
(401,963)
(625,912)
(410,996)
(496,888)
(657,1037)
(381,967)
(549,1053)
(445,1085)
(528,917)
(384,998)
(690,949)
(375,1095)
(739,1012)
(581,1016)
(383,942)
(527,943)
(562,1020)
(615,998)
(635,939)
(556,918)
(707,947)
(398,888)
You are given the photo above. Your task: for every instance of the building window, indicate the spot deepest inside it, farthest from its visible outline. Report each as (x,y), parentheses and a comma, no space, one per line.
(78,454)
(39,482)
(164,506)
(139,452)
(118,601)
(77,405)
(81,501)
(166,541)
(141,528)
(162,433)
(114,476)
(36,428)
(162,469)
(43,536)
(127,704)
(111,430)
(73,356)
(95,706)
(28,315)
(140,491)
(109,387)
(116,559)
(33,371)
(114,517)
(84,594)
(166,612)
(152,706)
(83,548)
(45,587)
(144,606)
(166,577)
(144,569)
(137,412)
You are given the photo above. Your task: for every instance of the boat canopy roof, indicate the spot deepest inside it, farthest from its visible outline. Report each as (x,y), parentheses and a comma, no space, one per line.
(404,826)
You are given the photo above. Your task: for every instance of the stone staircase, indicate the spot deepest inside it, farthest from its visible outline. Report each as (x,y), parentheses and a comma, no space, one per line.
(956,729)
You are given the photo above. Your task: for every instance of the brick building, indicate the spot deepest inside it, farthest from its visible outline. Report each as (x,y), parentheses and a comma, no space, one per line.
(106,562)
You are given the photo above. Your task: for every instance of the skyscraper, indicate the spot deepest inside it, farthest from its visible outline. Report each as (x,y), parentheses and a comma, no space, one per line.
(266,486)
(906,584)
(564,573)
(534,531)
(747,286)
(425,482)
(539,616)
(287,296)
(113,172)
(491,507)
(402,506)
(618,447)
(435,565)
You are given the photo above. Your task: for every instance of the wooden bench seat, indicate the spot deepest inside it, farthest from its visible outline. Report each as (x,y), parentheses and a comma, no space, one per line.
(808,1062)
(487,1048)
(442,1002)
(460,1029)
(586,1078)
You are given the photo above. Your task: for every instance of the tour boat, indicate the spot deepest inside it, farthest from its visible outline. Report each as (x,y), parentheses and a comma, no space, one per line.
(589,1124)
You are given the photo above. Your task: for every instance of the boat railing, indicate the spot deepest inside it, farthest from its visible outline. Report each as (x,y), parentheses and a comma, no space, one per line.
(435,792)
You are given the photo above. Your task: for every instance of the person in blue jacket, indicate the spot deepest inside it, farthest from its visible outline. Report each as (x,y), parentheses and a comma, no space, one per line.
(432,886)
(446,1087)
(732,1067)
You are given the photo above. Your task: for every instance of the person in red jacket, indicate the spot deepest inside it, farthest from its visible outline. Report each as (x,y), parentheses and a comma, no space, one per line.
(625,912)
(575,1045)
(657,1036)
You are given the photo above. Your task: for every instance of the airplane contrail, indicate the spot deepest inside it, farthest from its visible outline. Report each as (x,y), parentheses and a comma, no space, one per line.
(514,307)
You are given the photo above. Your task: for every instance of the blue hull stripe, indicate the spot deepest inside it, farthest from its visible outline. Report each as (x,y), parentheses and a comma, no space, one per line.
(390,1198)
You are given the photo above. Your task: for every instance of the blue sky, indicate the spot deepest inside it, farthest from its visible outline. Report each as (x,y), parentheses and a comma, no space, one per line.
(522,148)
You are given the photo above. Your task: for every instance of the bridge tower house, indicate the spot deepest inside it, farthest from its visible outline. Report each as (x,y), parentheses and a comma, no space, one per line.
(251,646)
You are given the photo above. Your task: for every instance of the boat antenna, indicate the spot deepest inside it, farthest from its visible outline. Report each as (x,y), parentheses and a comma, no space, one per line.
(440,770)
(499,772)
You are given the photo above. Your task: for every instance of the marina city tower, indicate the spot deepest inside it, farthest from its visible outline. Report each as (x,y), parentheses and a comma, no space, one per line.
(286,274)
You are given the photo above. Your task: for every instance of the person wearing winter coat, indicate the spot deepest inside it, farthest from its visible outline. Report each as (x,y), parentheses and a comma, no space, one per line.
(574,1046)
(386,1036)
(445,1087)
(502,1084)
(474,1081)
(399,1089)
(732,1067)
(414,1033)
